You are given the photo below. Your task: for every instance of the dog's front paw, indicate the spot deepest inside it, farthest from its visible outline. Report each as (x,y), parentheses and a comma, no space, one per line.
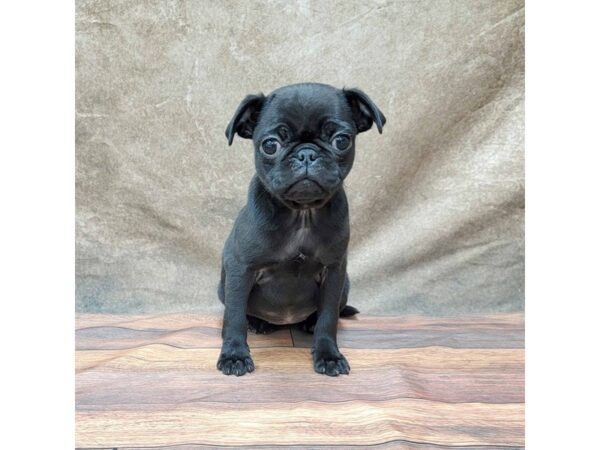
(330,362)
(235,361)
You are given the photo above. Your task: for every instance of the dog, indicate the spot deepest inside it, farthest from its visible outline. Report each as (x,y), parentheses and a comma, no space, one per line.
(284,261)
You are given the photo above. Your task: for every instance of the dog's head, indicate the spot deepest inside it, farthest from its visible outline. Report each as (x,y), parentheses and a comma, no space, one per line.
(304,138)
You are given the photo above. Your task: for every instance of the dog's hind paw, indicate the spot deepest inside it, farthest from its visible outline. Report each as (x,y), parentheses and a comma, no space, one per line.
(260,326)
(308,325)
(348,311)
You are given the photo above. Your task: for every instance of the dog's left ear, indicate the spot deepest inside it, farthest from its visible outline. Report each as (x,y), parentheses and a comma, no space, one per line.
(364,111)
(245,118)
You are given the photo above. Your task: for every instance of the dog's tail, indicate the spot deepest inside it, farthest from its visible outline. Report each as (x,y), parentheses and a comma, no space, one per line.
(348,311)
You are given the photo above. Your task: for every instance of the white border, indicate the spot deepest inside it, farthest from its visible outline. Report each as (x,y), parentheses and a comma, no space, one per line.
(37,224)
(562,224)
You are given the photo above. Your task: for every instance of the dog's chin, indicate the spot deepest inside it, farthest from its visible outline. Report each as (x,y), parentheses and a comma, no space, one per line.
(314,204)
(305,194)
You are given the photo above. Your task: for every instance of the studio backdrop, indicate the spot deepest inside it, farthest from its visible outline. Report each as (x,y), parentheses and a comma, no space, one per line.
(436,202)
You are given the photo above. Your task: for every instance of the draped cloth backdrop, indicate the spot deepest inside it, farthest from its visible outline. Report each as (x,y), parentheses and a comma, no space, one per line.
(436,201)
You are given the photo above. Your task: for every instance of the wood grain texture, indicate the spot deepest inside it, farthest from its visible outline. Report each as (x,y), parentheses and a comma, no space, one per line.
(150,381)
(434,373)
(396,444)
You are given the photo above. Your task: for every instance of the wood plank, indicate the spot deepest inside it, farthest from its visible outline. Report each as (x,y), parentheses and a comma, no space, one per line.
(492,331)
(116,337)
(396,444)
(305,423)
(169,358)
(96,331)
(463,338)
(161,374)
(173,321)
(177,321)
(500,320)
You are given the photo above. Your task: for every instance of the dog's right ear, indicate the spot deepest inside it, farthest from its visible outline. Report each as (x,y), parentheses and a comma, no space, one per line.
(245,118)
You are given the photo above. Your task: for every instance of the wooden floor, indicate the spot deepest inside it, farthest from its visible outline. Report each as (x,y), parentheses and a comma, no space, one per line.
(416,383)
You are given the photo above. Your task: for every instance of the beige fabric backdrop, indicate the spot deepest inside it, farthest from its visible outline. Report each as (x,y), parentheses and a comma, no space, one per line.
(436,201)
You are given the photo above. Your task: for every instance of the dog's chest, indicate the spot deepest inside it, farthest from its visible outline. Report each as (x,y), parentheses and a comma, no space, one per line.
(302,240)
(298,254)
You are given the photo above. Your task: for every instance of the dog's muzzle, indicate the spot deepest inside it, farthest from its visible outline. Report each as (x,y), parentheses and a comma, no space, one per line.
(305,194)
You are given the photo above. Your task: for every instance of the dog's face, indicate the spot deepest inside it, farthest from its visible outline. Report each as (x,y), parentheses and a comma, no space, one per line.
(304,138)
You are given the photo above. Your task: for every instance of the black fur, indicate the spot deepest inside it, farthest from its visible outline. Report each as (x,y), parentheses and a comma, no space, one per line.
(285,259)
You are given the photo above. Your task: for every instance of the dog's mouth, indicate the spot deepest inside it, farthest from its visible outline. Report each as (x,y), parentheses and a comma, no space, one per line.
(307,205)
(305,194)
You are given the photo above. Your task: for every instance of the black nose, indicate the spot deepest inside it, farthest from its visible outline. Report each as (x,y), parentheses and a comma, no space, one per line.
(306,154)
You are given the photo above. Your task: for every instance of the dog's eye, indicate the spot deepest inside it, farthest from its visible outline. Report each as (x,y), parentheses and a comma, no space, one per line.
(341,142)
(270,146)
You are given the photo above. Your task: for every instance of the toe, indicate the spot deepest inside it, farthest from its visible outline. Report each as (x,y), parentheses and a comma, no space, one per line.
(239,368)
(343,366)
(320,366)
(227,367)
(332,369)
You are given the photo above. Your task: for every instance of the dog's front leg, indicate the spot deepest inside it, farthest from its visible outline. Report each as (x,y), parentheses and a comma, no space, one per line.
(327,358)
(235,354)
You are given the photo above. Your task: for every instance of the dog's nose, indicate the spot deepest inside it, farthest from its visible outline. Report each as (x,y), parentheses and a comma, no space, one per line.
(306,154)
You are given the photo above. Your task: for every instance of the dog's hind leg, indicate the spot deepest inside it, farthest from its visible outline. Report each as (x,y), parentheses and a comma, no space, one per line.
(260,326)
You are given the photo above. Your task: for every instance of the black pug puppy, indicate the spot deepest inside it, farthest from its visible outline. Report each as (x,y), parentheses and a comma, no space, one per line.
(285,259)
